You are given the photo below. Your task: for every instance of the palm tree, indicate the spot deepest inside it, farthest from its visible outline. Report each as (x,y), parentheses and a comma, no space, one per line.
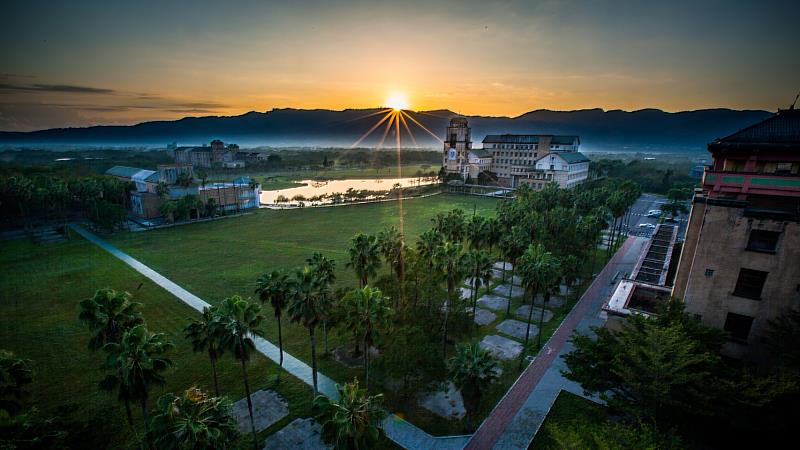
(276,288)
(204,337)
(15,373)
(479,264)
(325,268)
(617,204)
(108,314)
(364,257)
(493,233)
(307,307)
(539,269)
(427,246)
(193,421)
(136,363)
(237,319)
(373,315)
(472,369)
(355,421)
(450,262)
(391,245)
(513,246)
(477,232)
(675,202)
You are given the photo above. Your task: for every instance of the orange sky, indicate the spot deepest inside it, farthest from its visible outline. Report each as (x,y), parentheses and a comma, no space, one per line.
(92,63)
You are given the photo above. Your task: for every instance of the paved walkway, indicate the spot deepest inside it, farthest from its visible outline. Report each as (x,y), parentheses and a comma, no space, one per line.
(516,419)
(403,433)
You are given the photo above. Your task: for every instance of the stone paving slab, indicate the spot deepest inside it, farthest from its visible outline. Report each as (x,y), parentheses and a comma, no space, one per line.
(447,403)
(555,301)
(482,316)
(514,328)
(465,292)
(524,310)
(300,434)
(268,408)
(501,347)
(493,302)
(505,290)
(499,265)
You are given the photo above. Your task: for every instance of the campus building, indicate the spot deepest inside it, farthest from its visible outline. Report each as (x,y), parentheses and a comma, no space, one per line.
(215,155)
(740,263)
(515,159)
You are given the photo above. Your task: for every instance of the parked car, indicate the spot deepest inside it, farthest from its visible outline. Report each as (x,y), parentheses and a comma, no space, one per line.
(647,225)
(654,213)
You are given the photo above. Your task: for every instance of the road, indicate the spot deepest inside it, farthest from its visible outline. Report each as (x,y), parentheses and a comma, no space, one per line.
(639,210)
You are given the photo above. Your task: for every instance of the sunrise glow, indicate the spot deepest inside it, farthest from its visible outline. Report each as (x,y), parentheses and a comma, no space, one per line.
(397,101)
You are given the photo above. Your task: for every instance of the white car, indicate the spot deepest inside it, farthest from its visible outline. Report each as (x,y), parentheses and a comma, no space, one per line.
(647,225)
(654,213)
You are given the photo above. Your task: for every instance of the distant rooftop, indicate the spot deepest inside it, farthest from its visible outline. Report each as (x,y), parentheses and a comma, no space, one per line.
(573,157)
(530,139)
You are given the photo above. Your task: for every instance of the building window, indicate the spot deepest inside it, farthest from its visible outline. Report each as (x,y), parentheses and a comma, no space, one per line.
(750,283)
(763,241)
(738,326)
(709,273)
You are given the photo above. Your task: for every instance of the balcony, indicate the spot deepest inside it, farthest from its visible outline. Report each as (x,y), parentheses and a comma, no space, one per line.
(720,181)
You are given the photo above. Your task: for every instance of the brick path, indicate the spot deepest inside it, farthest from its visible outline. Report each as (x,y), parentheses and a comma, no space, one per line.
(504,412)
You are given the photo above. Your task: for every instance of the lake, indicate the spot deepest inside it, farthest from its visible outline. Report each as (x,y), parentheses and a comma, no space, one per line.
(314,188)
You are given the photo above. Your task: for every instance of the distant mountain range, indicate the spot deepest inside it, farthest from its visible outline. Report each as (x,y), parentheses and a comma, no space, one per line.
(647,130)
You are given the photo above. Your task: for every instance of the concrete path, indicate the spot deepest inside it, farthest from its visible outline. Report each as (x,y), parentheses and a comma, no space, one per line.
(403,433)
(516,419)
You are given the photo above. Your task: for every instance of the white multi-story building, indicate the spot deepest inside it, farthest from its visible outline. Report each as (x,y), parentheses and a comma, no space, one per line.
(514,159)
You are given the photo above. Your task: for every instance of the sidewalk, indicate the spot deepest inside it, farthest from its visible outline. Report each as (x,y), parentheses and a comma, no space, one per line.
(400,431)
(517,417)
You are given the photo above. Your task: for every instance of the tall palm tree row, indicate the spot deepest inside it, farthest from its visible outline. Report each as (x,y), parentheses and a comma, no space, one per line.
(325,268)
(307,308)
(235,322)
(373,314)
(479,266)
(193,420)
(450,262)
(427,247)
(108,314)
(364,257)
(205,337)
(393,248)
(354,421)
(513,245)
(539,270)
(136,363)
(277,289)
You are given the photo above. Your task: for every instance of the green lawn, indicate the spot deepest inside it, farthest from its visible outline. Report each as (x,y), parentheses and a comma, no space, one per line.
(41,287)
(407,170)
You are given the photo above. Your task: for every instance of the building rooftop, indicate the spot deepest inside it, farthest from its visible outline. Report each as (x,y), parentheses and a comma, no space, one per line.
(781,129)
(573,157)
(123,171)
(480,153)
(530,139)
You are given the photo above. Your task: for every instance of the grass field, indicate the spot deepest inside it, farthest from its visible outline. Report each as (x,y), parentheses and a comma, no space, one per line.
(408,170)
(41,287)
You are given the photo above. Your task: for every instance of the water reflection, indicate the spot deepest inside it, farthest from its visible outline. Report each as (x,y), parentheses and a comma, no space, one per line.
(313,190)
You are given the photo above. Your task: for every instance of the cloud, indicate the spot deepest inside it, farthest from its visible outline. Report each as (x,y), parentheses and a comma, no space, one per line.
(65,88)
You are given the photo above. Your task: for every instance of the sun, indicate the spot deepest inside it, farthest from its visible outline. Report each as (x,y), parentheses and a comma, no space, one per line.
(397,101)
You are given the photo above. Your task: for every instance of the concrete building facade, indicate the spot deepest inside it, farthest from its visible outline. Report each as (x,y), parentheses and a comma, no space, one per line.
(215,154)
(740,264)
(514,159)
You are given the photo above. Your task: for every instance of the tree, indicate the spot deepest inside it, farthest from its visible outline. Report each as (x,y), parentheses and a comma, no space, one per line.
(136,364)
(513,245)
(203,176)
(15,374)
(355,421)
(325,269)
(676,199)
(539,270)
(427,246)
(452,225)
(167,208)
(617,204)
(237,320)
(450,262)
(204,336)
(654,369)
(783,338)
(307,308)
(193,421)
(477,232)
(373,314)
(479,264)
(391,245)
(277,288)
(472,369)
(108,314)
(364,257)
